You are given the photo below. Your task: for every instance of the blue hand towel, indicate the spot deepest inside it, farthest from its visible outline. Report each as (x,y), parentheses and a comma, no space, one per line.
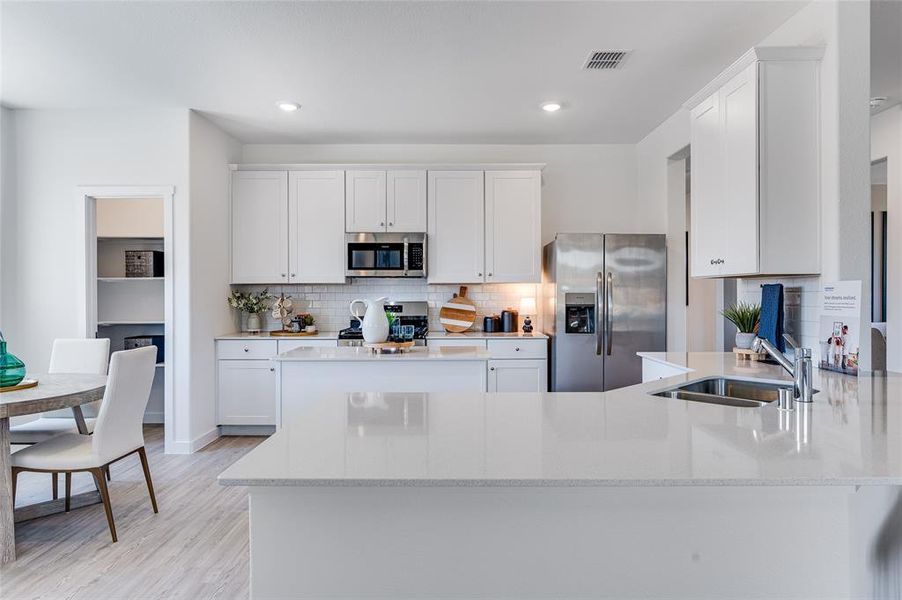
(771,325)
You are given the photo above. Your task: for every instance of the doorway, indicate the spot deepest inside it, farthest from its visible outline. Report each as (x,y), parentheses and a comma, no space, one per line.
(127,278)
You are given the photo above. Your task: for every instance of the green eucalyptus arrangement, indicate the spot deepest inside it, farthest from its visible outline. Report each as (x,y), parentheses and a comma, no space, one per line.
(251,303)
(744,316)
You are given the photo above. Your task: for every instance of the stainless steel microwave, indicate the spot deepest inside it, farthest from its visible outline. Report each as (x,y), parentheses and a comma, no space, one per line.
(385,254)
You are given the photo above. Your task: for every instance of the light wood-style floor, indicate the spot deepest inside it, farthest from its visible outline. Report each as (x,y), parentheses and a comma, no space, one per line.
(196,547)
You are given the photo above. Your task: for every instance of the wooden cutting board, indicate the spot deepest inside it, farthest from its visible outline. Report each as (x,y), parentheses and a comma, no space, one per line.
(459,313)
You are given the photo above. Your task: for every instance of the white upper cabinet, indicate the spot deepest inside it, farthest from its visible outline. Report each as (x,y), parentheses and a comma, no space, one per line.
(706,213)
(755,156)
(513,226)
(378,201)
(406,201)
(365,201)
(316,217)
(259,226)
(456,232)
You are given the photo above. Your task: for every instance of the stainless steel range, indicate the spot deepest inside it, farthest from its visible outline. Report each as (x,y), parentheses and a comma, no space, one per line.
(414,313)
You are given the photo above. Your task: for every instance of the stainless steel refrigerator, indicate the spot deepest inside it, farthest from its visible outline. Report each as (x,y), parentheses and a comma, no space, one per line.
(606,299)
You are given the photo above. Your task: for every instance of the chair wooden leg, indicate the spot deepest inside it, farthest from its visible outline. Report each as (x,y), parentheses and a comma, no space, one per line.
(68,489)
(54,484)
(105,496)
(153,499)
(15,473)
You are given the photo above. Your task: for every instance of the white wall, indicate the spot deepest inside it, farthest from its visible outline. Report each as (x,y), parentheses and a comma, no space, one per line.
(210,152)
(662,184)
(7,209)
(843,29)
(55,152)
(586,187)
(886,141)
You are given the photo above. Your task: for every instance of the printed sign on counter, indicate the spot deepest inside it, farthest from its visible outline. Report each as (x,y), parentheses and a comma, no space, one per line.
(840,326)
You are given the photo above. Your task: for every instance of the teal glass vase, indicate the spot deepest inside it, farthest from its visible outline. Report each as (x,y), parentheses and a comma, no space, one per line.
(12,370)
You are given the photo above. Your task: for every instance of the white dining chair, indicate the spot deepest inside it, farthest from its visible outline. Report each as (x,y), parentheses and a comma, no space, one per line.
(67,356)
(118,432)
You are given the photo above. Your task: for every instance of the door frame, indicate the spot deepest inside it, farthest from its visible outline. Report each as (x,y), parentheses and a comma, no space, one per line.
(86,276)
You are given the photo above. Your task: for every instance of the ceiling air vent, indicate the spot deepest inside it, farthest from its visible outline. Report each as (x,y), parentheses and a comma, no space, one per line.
(605,59)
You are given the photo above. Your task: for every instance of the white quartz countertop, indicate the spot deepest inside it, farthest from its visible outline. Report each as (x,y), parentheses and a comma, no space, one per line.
(361,354)
(850,435)
(264,335)
(333,335)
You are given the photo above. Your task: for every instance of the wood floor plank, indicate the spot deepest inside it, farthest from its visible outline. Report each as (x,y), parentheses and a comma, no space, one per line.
(195,548)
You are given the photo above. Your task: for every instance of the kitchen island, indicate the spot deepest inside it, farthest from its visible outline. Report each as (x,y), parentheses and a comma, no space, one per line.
(615,494)
(303,374)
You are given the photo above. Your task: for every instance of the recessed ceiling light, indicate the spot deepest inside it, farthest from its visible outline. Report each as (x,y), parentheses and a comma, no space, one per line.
(551,106)
(877,101)
(288,106)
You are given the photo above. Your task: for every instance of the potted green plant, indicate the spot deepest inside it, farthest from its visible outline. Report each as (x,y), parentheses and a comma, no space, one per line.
(745,317)
(253,304)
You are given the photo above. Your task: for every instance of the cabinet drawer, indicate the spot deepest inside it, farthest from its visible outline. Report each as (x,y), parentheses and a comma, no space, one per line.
(286,345)
(518,348)
(245,349)
(439,342)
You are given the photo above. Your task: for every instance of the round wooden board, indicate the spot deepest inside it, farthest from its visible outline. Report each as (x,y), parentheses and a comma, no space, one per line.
(380,345)
(459,313)
(22,385)
(280,333)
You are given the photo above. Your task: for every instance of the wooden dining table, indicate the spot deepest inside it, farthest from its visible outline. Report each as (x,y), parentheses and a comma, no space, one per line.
(54,391)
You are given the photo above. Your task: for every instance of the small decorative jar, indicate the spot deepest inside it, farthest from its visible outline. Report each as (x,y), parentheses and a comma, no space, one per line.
(253,323)
(12,370)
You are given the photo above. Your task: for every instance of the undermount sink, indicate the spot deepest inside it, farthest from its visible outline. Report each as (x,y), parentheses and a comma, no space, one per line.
(743,393)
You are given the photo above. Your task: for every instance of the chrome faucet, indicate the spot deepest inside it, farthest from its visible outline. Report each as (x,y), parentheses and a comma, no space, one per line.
(801,370)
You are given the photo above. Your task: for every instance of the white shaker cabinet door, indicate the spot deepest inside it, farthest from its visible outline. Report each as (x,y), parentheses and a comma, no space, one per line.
(247,392)
(706,229)
(739,114)
(406,201)
(365,201)
(316,214)
(513,227)
(456,233)
(517,376)
(259,226)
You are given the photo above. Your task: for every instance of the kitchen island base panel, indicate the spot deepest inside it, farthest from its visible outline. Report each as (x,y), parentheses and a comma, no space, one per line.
(455,542)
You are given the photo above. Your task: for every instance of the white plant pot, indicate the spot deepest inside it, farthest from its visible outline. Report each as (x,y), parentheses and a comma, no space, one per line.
(744,340)
(253,324)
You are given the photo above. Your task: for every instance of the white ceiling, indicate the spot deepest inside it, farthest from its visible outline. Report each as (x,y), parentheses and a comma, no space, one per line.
(389,72)
(886,51)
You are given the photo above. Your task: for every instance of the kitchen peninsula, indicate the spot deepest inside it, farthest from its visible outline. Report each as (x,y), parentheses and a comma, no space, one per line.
(614,494)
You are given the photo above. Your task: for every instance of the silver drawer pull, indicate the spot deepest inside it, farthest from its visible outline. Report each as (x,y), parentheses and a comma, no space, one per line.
(246,349)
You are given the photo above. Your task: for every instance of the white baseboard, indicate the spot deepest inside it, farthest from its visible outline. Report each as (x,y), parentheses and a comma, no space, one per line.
(154,418)
(205,439)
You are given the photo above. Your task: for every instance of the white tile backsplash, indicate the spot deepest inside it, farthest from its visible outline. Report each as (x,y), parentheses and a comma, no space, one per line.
(749,290)
(329,303)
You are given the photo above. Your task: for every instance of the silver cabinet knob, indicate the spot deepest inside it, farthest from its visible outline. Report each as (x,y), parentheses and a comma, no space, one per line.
(292,274)
(282,274)
(517,349)
(479,274)
(382,224)
(712,261)
(390,224)
(491,368)
(272,369)
(246,349)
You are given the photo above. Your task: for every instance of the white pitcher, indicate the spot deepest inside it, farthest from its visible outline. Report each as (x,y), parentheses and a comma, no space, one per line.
(373,322)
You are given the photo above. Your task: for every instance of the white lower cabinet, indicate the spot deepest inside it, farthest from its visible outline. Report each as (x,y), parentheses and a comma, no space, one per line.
(515,364)
(247,392)
(517,376)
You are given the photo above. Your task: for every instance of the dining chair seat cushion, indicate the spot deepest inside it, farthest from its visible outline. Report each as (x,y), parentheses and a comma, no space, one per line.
(44,428)
(64,452)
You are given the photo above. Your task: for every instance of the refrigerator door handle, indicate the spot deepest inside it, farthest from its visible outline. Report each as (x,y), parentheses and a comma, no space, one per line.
(598,328)
(609,312)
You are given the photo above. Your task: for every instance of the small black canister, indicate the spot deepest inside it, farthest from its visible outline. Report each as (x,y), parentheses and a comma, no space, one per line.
(508,321)
(491,324)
